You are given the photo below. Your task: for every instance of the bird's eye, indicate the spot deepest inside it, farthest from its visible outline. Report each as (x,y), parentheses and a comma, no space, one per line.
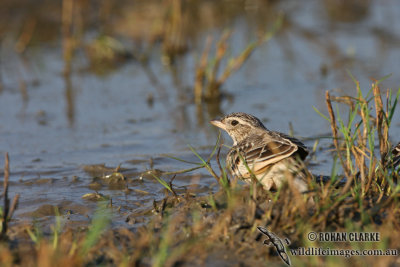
(234,122)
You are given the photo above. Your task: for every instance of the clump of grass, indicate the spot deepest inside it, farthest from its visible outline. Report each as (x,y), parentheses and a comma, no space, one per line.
(359,136)
(208,80)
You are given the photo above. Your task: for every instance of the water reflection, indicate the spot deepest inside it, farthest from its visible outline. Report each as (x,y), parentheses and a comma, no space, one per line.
(70,99)
(347,11)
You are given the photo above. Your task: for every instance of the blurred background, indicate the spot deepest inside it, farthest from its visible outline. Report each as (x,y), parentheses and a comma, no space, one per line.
(84,83)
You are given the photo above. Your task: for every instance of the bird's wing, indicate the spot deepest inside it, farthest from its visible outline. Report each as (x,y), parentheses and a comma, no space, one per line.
(302,149)
(260,155)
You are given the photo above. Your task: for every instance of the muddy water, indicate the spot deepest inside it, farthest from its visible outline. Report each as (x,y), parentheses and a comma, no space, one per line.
(59,129)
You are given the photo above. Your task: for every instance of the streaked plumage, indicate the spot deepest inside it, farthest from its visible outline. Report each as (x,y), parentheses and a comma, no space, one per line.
(396,156)
(271,156)
(393,163)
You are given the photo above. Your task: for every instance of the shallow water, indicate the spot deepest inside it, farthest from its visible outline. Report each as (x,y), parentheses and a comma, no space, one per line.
(135,114)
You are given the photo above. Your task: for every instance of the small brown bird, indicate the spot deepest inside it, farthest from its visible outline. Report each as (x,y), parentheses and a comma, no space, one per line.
(270,156)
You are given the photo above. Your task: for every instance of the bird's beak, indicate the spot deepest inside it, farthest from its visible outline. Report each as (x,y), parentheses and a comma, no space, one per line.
(218,123)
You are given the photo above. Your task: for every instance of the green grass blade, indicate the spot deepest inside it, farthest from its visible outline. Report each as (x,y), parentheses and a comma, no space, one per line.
(164,183)
(322,115)
(182,160)
(101,220)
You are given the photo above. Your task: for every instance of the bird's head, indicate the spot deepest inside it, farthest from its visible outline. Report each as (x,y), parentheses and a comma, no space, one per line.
(239,125)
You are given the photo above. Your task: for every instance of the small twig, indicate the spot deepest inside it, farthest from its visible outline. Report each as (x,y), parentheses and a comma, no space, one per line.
(171,186)
(163,206)
(380,123)
(363,137)
(334,131)
(6,199)
(7,212)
